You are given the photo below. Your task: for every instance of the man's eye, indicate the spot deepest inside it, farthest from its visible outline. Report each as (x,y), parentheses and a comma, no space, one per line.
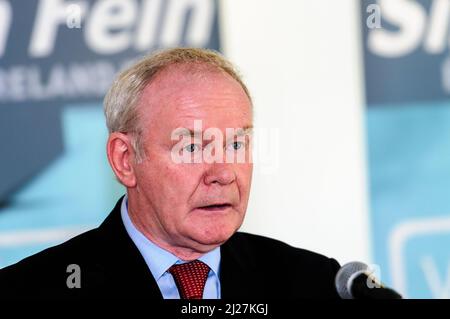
(237,145)
(191,148)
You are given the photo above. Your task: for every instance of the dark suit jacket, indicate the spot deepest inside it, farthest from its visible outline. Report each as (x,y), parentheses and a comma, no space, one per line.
(252,267)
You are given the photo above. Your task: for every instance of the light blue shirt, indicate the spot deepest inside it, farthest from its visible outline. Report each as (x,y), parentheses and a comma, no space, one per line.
(159,261)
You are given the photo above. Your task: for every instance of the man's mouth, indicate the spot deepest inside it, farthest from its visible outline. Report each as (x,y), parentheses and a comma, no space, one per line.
(215,207)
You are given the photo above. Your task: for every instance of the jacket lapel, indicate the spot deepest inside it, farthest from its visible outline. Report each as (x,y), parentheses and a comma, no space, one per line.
(239,277)
(126,271)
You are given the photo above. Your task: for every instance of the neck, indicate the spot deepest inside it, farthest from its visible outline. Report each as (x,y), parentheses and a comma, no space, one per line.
(183,252)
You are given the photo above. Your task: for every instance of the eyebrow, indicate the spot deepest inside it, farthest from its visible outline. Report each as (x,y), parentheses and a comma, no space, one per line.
(182,131)
(248,129)
(245,130)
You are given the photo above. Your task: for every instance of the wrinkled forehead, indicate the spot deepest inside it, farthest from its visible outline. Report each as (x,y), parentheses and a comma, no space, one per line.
(181,94)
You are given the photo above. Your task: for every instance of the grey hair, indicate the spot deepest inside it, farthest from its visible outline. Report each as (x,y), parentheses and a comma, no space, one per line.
(122,99)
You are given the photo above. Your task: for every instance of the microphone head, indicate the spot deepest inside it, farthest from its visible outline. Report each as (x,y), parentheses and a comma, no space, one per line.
(345,276)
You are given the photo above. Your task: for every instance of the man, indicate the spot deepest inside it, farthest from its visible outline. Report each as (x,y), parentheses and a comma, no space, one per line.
(174,235)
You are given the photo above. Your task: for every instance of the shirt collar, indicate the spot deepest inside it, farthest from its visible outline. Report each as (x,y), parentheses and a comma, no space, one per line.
(158,259)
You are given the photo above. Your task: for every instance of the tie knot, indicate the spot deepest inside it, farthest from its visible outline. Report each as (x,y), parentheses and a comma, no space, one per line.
(190,278)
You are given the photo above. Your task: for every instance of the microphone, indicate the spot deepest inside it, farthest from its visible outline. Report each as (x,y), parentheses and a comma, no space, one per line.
(355,281)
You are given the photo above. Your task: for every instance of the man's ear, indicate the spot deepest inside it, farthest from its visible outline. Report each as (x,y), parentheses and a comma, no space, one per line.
(121,157)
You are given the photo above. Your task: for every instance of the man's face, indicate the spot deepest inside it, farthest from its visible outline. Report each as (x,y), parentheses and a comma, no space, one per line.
(191,205)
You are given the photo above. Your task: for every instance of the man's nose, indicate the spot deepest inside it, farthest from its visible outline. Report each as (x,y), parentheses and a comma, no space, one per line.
(221,173)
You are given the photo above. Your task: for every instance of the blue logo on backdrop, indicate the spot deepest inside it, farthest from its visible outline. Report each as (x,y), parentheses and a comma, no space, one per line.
(57,59)
(407,59)
(407,68)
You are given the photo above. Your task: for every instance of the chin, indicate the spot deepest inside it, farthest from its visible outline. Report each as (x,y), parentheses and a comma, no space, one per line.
(214,235)
(212,229)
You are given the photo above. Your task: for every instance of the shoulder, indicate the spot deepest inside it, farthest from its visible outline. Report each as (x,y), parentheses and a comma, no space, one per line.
(265,247)
(288,267)
(76,247)
(50,267)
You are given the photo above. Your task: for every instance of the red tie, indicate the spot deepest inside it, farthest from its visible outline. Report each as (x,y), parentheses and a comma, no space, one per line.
(190,278)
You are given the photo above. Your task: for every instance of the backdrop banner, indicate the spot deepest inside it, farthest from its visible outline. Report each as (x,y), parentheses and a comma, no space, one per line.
(407,81)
